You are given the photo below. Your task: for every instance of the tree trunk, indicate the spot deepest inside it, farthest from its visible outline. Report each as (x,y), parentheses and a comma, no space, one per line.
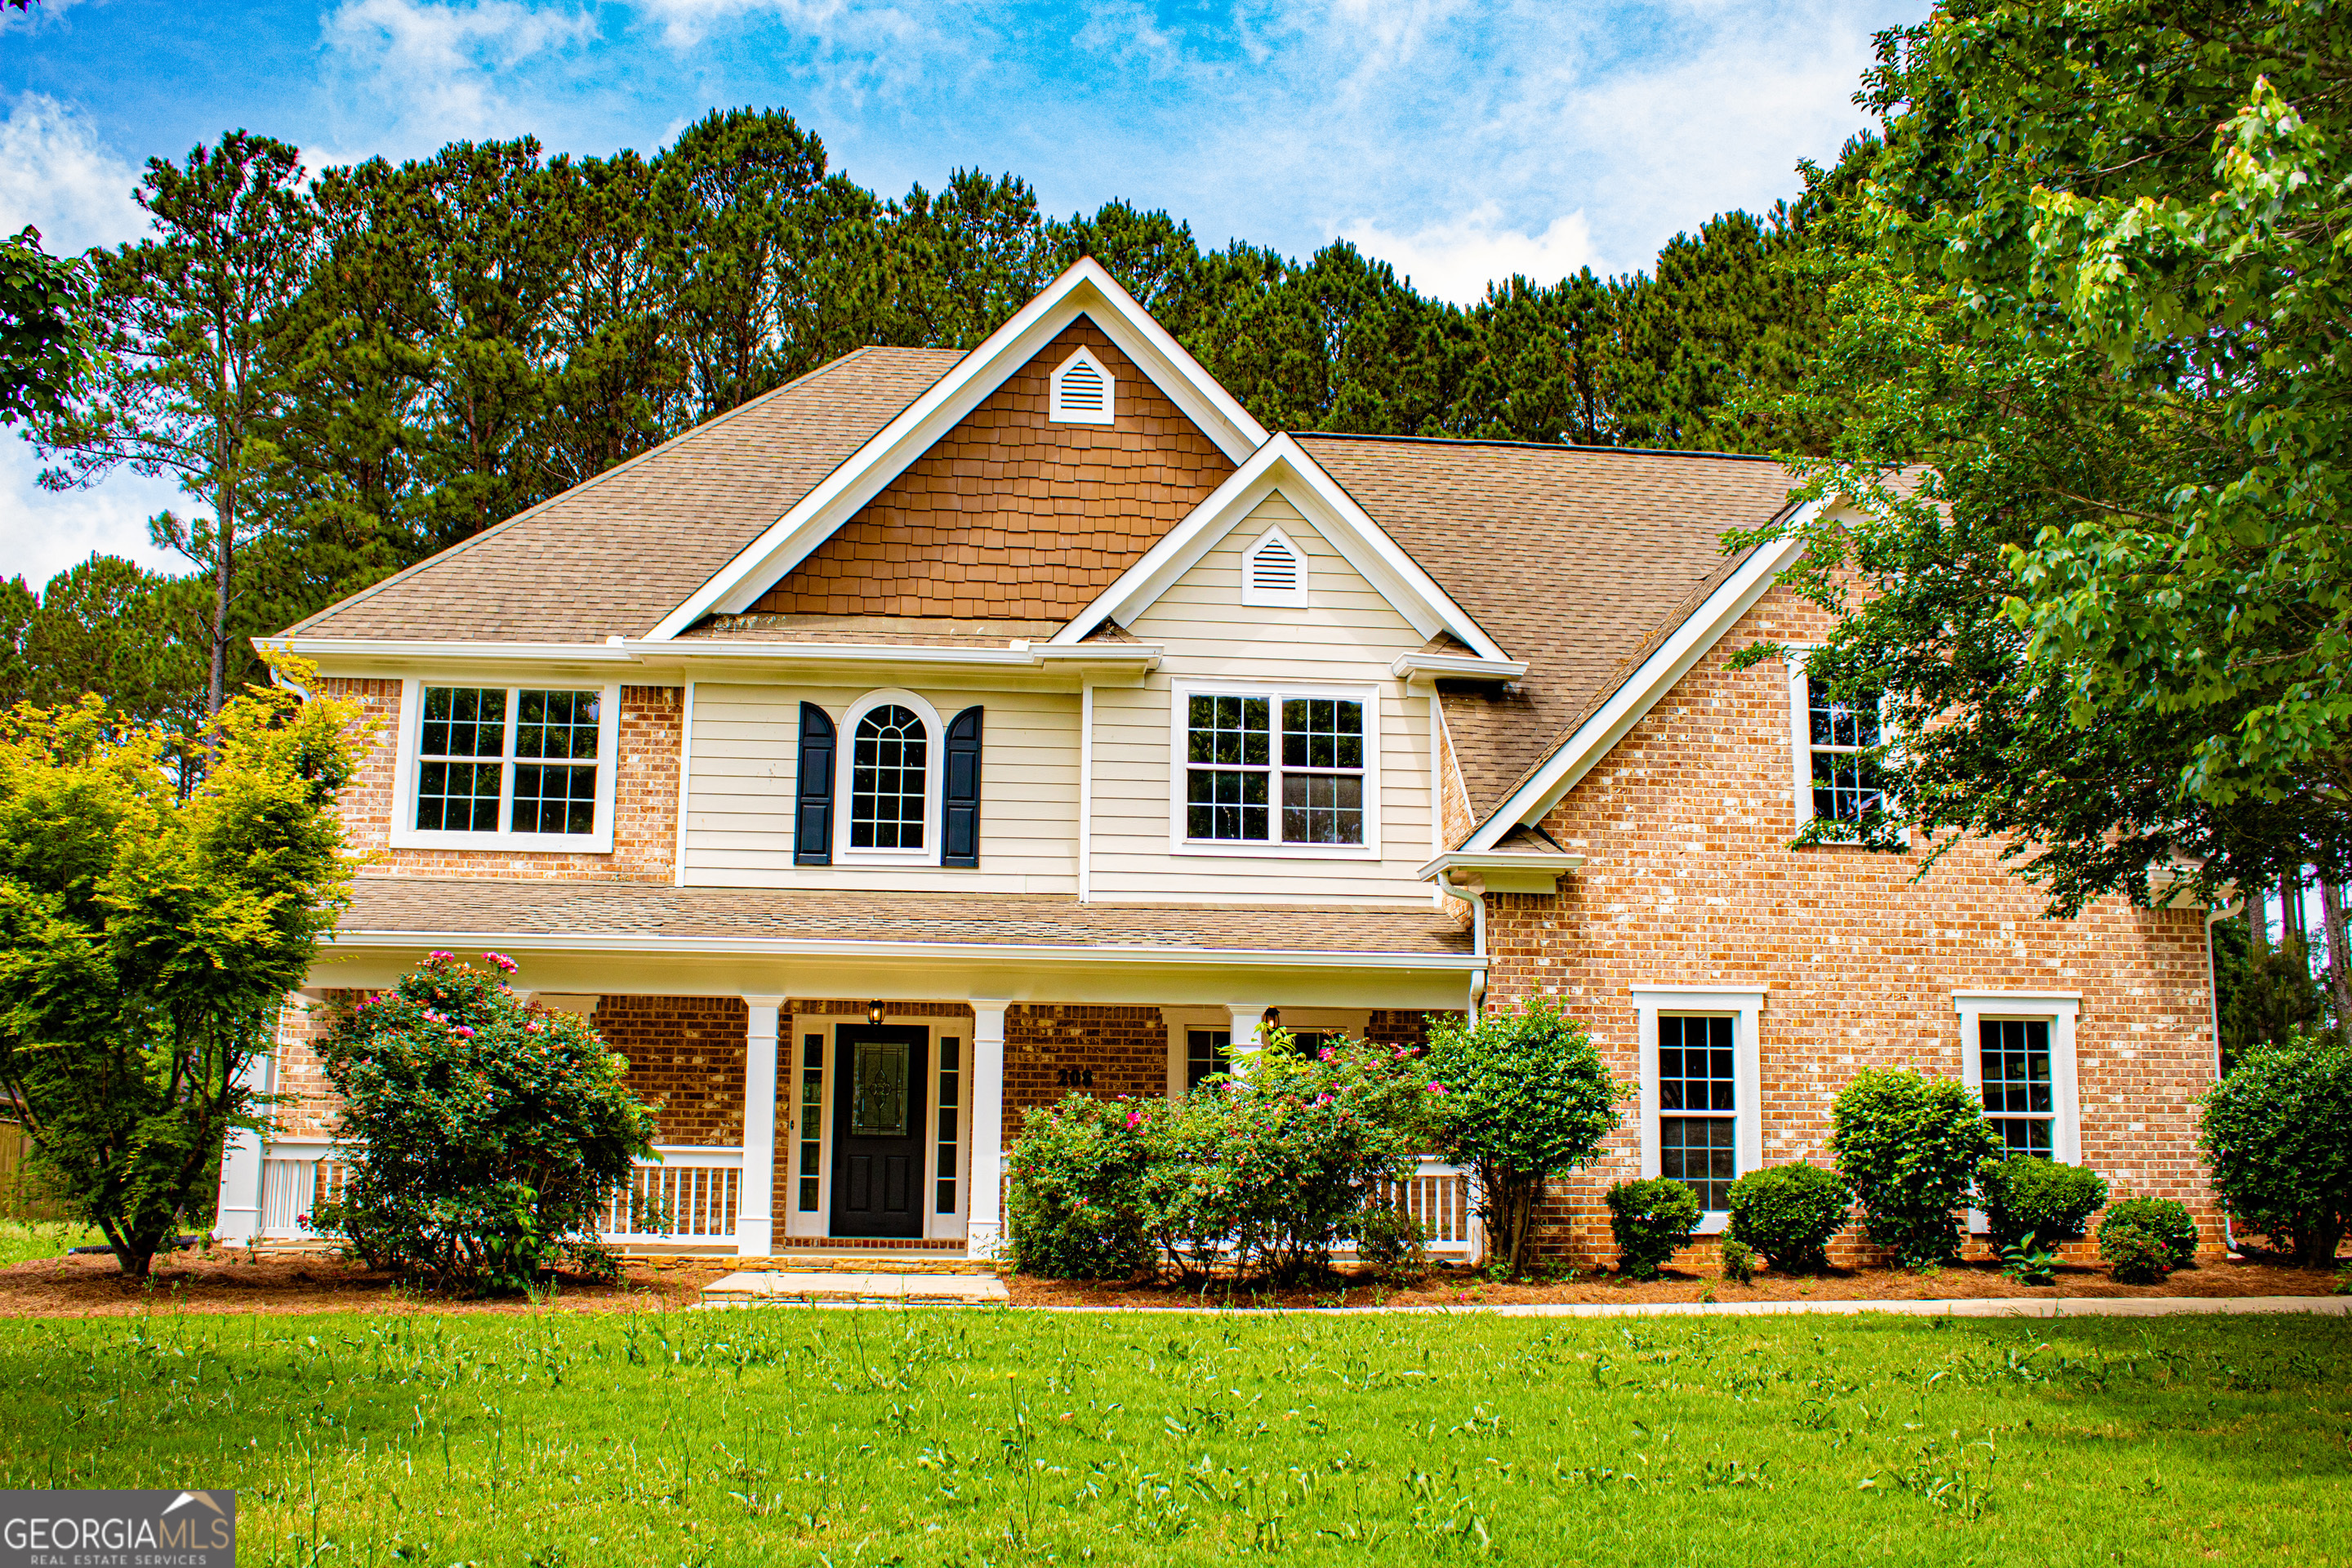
(2339,973)
(224,577)
(2258,925)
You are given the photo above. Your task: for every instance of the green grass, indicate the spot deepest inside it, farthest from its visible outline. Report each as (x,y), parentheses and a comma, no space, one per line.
(786,1435)
(23,1239)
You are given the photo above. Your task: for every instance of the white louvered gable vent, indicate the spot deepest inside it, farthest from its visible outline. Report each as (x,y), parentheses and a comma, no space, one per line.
(1274,570)
(1084,391)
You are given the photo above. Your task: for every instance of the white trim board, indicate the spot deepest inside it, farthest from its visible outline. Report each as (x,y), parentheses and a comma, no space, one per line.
(1651,681)
(1282,466)
(1086,289)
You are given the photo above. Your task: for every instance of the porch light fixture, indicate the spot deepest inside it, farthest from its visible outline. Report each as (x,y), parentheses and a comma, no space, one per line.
(1272,1021)
(873,1012)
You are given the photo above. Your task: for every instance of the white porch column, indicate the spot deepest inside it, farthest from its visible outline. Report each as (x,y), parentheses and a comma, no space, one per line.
(755,1225)
(1247,1036)
(984,1222)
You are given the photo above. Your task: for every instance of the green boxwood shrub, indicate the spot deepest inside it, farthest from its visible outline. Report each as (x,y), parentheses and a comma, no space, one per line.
(486,1136)
(2025,1195)
(2278,1134)
(2131,1226)
(1911,1146)
(1651,1221)
(1739,1260)
(1074,1193)
(1788,1212)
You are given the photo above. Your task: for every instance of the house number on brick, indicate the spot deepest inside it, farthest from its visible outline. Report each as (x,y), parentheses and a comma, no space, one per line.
(1074,1078)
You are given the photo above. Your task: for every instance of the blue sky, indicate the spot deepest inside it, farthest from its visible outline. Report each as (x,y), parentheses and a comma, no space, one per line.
(1460,140)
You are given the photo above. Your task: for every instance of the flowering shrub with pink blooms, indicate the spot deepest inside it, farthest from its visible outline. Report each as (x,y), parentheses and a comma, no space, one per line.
(486,1136)
(1262,1172)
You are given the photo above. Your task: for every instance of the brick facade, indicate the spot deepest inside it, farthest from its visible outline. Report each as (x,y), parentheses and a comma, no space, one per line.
(686,1057)
(644,797)
(1689,881)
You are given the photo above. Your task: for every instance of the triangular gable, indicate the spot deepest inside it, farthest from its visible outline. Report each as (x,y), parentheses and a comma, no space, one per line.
(1084,289)
(1281,465)
(1013,514)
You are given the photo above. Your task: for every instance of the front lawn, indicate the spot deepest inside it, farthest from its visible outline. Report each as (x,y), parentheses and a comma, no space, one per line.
(24,1239)
(791,1436)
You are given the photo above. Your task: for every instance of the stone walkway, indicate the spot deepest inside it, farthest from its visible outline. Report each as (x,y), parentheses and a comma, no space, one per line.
(838,1288)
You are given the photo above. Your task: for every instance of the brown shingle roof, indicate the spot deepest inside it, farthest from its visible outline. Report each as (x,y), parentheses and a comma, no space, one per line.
(456,909)
(909,631)
(1577,559)
(615,556)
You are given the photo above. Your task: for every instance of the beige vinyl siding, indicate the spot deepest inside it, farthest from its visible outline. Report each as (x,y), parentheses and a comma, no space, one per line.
(1346,633)
(739,793)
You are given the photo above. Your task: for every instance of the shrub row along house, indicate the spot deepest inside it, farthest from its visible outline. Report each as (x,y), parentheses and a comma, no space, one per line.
(939,734)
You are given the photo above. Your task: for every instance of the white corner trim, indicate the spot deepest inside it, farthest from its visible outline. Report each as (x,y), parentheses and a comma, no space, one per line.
(405,762)
(685,783)
(1285,466)
(1059,409)
(2059,1009)
(1653,680)
(1086,288)
(1745,1005)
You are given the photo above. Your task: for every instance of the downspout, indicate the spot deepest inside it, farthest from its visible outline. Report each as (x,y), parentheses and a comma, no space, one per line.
(2214,1000)
(1476,898)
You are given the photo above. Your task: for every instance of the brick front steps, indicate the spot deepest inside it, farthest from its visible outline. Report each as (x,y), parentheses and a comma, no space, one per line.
(851,1284)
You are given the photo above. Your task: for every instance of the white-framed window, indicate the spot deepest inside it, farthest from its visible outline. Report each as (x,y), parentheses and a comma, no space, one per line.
(1083,392)
(1265,769)
(2017,1052)
(890,765)
(1833,776)
(484,766)
(1701,1098)
(1274,572)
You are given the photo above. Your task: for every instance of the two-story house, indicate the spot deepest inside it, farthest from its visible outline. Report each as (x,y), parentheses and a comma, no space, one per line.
(941,733)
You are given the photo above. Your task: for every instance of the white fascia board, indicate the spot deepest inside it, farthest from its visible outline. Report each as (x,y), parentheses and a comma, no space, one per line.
(787,947)
(1086,288)
(1500,860)
(1282,465)
(1593,740)
(351,656)
(1451,666)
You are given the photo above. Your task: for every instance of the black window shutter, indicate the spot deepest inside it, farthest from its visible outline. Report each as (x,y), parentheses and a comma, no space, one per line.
(813,823)
(960,836)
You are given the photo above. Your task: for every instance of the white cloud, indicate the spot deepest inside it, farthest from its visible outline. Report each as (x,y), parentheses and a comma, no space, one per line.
(42,532)
(1456,261)
(844,22)
(425,73)
(57,176)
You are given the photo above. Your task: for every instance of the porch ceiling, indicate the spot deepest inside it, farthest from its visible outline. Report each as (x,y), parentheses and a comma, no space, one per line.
(401,910)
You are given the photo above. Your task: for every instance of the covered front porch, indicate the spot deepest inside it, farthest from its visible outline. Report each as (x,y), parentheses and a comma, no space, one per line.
(858,1100)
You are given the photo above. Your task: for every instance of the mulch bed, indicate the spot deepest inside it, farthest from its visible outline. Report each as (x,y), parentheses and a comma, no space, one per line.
(235,1281)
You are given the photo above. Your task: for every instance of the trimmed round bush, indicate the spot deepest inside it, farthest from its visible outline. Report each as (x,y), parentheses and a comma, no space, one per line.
(2278,1132)
(1074,1197)
(1911,1145)
(2164,1219)
(1788,1212)
(1651,1221)
(2025,1195)
(2135,1252)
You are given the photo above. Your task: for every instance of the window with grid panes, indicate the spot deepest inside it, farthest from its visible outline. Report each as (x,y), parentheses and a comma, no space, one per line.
(812,1140)
(888,769)
(1207,1052)
(510,755)
(1236,773)
(1846,783)
(2019,1097)
(1697,1107)
(951,1100)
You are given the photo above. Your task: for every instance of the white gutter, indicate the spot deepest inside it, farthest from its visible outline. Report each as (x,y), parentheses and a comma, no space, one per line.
(639,651)
(786,947)
(1476,898)
(1456,667)
(1538,861)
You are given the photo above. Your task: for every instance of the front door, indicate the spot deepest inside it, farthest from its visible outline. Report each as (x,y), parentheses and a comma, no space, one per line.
(880,1071)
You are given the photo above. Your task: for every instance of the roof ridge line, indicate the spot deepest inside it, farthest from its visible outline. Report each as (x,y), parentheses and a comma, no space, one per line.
(1540,446)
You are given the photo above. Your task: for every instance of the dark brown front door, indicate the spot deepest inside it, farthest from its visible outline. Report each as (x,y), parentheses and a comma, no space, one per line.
(879,1074)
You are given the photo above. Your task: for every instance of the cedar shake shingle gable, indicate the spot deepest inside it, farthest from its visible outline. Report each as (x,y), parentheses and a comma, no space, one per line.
(613,556)
(1577,559)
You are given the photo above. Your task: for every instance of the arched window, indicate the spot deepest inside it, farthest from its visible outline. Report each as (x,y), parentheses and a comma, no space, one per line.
(889,771)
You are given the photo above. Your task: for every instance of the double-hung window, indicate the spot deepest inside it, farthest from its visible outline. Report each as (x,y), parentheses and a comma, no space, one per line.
(1277,769)
(1701,1098)
(507,767)
(2017,1051)
(1838,778)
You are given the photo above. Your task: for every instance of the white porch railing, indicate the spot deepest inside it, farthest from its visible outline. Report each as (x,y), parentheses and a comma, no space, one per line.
(689,1197)
(1438,1195)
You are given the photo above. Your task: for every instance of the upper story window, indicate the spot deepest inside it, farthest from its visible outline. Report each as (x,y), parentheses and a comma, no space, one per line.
(512,766)
(889,760)
(1083,392)
(1837,779)
(1277,769)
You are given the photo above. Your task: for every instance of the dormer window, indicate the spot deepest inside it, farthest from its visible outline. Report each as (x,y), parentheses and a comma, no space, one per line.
(1084,391)
(1274,572)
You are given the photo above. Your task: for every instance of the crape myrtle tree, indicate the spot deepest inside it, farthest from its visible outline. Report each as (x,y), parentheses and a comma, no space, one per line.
(148,937)
(1519,1098)
(2092,399)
